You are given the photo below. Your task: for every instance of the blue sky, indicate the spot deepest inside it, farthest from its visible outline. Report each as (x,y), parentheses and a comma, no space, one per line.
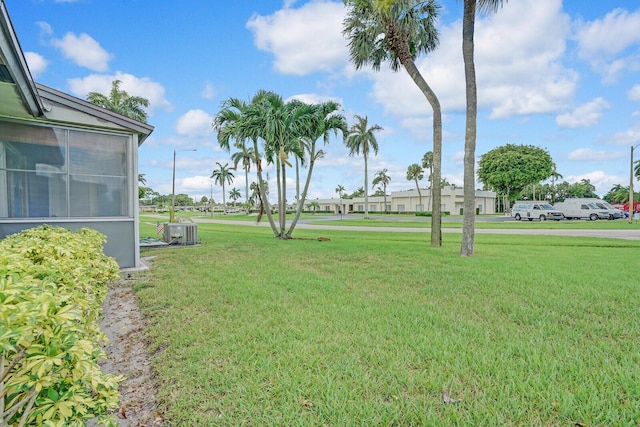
(561,75)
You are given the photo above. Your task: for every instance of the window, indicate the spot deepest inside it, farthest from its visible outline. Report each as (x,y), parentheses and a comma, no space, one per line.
(372,208)
(360,208)
(54,172)
(400,208)
(419,208)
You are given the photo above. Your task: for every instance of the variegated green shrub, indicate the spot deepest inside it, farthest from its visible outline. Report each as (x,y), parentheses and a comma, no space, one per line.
(52,285)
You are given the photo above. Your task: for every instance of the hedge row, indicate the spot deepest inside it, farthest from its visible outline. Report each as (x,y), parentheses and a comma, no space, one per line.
(52,285)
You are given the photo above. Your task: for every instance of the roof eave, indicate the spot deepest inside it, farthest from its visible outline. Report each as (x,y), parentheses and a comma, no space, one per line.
(14,57)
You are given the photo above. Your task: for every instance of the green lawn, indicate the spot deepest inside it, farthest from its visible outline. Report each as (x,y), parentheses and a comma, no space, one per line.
(371,328)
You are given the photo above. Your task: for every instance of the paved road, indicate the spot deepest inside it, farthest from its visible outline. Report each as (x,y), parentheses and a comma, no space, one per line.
(626,234)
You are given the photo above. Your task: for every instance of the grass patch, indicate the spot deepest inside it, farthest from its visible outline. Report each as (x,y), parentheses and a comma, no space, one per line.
(371,328)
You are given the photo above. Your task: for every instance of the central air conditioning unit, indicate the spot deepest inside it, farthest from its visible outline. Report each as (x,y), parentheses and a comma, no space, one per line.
(180,234)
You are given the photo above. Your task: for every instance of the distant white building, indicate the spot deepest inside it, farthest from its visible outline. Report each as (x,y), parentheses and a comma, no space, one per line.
(452,201)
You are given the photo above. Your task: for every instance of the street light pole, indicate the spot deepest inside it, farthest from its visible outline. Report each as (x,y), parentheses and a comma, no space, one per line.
(173,190)
(172,215)
(633,147)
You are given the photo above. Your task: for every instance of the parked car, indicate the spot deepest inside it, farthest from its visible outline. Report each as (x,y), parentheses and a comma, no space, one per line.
(535,210)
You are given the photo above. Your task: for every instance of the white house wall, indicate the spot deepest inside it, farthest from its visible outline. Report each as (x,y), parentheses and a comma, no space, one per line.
(408,201)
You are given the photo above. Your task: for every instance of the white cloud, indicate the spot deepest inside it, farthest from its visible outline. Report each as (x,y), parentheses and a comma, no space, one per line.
(634,93)
(605,43)
(194,123)
(518,58)
(599,179)
(37,63)
(45,28)
(135,86)
(588,154)
(83,51)
(584,115)
(303,40)
(312,98)
(209,91)
(630,136)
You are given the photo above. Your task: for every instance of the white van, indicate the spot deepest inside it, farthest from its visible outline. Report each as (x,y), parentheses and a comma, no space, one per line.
(531,210)
(614,213)
(583,208)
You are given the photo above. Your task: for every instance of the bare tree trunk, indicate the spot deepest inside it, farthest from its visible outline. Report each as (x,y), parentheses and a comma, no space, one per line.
(468,222)
(366,185)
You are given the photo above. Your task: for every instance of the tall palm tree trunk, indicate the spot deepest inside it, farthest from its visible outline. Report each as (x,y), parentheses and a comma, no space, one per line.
(468,222)
(304,193)
(246,187)
(366,185)
(224,203)
(436,215)
(263,196)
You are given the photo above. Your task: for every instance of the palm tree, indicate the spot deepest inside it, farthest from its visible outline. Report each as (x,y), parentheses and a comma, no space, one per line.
(427,163)
(361,139)
(416,173)
(120,102)
(233,122)
(381,178)
(468,28)
(280,125)
(340,189)
(398,31)
(234,194)
(555,175)
(314,205)
(246,156)
(221,176)
(323,121)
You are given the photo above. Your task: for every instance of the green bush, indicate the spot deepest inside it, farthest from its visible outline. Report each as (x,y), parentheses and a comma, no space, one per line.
(52,285)
(430,214)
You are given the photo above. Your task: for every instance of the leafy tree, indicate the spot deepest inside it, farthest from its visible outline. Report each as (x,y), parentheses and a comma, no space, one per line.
(145,192)
(222,176)
(468,29)
(398,31)
(380,192)
(119,101)
(183,200)
(510,168)
(362,139)
(358,193)
(415,173)
(618,194)
(584,188)
(381,178)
